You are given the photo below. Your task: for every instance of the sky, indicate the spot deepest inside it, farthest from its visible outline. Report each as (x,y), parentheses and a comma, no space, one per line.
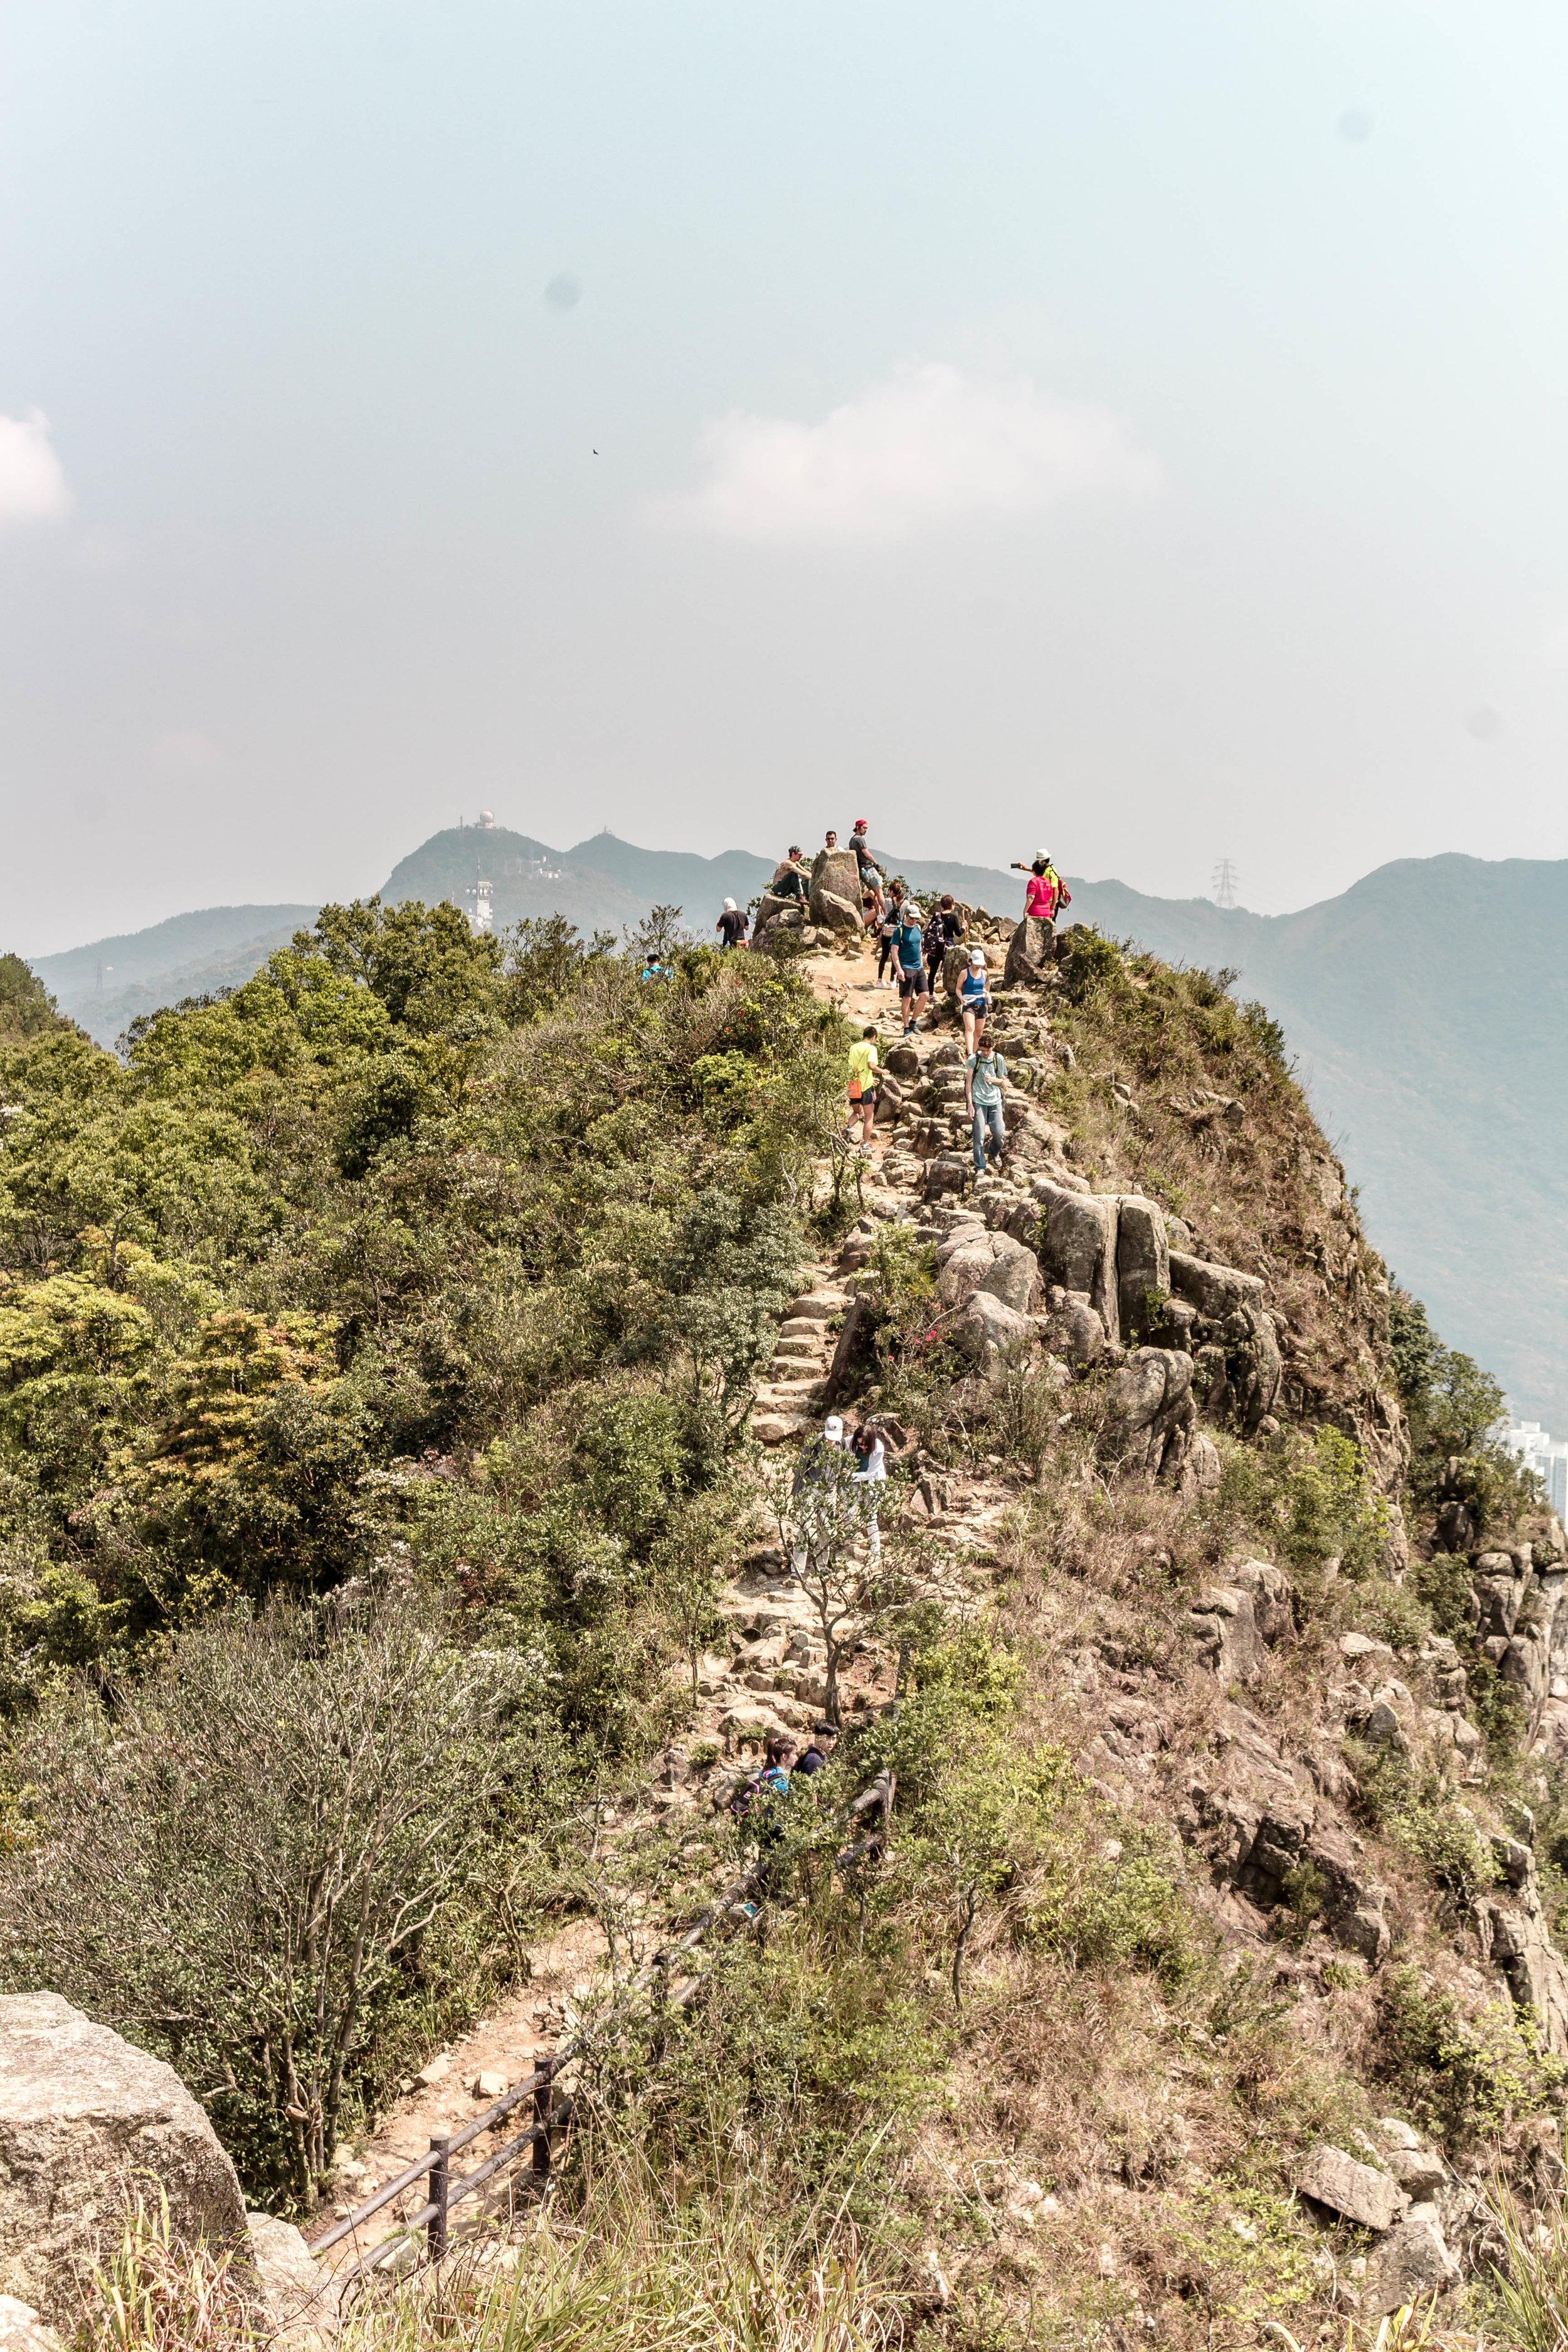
(1135,431)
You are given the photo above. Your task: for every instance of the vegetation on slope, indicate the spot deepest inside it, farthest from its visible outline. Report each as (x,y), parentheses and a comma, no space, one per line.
(376,1345)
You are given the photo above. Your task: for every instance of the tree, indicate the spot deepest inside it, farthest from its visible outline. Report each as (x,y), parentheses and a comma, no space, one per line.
(238,1865)
(852,1590)
(26,1008)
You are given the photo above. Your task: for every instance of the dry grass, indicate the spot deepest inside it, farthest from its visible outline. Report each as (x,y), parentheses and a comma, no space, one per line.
(157,2295)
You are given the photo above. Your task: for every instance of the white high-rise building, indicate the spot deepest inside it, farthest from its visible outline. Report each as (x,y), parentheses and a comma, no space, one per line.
(1546,1455)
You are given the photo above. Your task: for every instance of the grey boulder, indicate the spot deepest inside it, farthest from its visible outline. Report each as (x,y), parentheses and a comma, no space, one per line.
(1142,1262)
(1152,1414)
(836,890)
(993,1333)
(1077,1246)
(1358,2191)
(1411,2260)
(81,2113)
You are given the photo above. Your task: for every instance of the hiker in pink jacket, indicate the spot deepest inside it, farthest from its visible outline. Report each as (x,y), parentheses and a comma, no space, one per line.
(1044,894)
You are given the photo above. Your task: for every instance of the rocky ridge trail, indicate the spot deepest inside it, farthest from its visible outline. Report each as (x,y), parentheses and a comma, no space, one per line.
(1219,1722)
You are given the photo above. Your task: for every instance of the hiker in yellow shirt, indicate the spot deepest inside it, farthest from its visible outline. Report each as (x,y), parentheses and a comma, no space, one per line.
(863,1071)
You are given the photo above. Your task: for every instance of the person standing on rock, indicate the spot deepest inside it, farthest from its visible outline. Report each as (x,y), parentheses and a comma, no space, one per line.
(974,998)
(983,1071)
(863,1072)
(732,924)
(871,873)
(910,947)
(1045,893)
(888,930)
(819,1476)
(872,1458)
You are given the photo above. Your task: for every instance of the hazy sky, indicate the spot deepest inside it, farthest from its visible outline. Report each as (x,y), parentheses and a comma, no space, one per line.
(1136,429)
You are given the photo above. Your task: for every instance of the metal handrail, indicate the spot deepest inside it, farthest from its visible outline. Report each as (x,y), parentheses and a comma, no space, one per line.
(432,2215)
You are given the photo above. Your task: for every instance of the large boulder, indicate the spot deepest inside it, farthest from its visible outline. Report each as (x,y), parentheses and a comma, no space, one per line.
(82,2114)
(993,1334)
(1151,1412)
(1357,2191)
(1077,1246)
(1031,953)
(1142,1264)
(300,2294)
(1411,2261)
(994,1262)
(1235,1352)
(836,890)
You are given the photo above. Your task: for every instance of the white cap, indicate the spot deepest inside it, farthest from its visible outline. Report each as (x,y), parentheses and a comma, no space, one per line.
(729,905)
(833,1429)
(977,955)
(911,912)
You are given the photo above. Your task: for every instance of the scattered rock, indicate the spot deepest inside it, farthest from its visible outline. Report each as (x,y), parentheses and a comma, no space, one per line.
(22,2330)
(489,2084)
(300,2292)
(1413,2261)
(435,2071)
(1369,2198)
(81,2112)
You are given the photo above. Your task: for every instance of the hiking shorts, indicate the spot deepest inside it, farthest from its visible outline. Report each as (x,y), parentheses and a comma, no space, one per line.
(912,983)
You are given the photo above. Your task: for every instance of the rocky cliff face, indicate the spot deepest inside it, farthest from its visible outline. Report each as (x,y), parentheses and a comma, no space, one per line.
(1352,1771)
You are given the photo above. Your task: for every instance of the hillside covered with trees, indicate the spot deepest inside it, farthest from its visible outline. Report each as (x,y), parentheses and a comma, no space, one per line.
(386,1555)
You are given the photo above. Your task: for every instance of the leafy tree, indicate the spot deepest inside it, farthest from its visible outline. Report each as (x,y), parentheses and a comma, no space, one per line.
(239,1866)
(26,1008)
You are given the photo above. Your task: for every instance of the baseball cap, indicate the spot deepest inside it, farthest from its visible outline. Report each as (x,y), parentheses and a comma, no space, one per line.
(832,1427)
(977,955)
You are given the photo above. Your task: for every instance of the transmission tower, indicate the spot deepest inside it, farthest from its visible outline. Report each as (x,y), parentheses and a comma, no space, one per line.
(1224,883)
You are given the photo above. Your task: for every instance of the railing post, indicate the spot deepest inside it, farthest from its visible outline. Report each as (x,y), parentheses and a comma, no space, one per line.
(544,2092)
(440,2179)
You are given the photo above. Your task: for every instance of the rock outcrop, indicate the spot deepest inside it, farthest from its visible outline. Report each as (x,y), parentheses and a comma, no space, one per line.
(82,2114)
(836,890)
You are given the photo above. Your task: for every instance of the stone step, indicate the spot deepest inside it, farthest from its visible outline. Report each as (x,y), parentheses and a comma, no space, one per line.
(795,1351)
(819,1305)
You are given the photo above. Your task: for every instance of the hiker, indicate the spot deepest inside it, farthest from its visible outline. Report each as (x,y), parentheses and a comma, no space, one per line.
(871,1457)
(818,1476)
(974,998)
(863,1068)
(756,1805)
(791,878)
(888,930)
(983,1072)
(1045,893)
(732,923)
(871,873)
(910,947)
(819,1749)
(935,946)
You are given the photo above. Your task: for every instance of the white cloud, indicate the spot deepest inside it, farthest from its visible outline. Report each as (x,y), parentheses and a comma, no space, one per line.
(930,445)
(32,486)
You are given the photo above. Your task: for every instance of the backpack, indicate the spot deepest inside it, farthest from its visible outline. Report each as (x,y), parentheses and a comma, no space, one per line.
(744,1795)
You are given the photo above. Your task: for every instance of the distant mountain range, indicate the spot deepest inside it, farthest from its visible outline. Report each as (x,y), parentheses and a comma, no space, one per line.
(1428,1007)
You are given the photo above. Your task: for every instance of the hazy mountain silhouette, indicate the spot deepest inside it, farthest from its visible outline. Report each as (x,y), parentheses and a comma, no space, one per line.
(1426,1006)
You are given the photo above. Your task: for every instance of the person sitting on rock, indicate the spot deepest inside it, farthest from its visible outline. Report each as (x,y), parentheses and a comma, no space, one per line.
(974,998)
(732,924)
(983,1071)
(792,880)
